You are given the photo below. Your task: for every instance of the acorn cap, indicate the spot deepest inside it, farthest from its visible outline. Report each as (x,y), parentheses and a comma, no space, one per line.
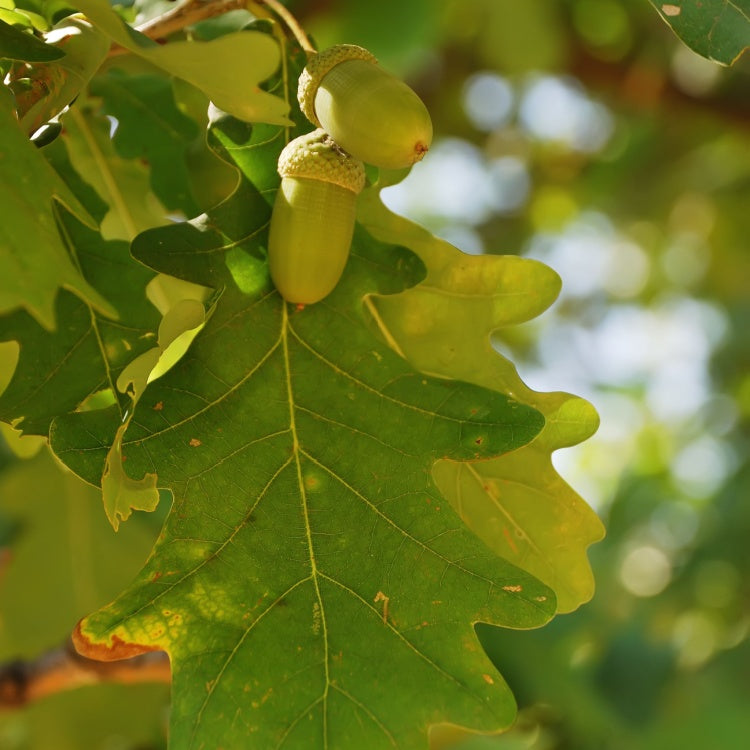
(316,69)
(317,157)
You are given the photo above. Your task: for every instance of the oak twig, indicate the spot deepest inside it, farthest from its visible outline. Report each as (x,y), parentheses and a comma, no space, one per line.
(23,682)
(187,14)
(194,11)
(291,23)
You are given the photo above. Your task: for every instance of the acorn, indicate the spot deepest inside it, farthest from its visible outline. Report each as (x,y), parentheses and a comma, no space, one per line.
(370,113)
(313,217)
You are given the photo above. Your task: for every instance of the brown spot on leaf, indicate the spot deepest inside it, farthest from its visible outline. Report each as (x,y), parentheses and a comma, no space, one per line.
(671,10)
(509,539)
(194,442)
(381,597)
(158,406)
(102,652)
(488,679)
(515,589)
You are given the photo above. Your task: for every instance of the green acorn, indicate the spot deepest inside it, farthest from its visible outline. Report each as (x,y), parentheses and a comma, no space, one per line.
(370,113)
(313,217)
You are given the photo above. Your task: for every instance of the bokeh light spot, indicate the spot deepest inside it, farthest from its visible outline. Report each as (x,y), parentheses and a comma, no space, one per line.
(488,101)
(645,571)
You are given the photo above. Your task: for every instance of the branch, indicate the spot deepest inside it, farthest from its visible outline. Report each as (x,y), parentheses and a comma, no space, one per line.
(22,682)
(194,11)
(187,14)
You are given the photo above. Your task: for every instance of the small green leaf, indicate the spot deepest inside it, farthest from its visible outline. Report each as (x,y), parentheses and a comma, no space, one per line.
(122,495)
(210,66)
(716,29)
(16,44)
(34,262)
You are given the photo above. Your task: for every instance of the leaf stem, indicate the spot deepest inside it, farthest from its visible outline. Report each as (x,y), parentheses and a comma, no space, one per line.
(291,23)
(187,14)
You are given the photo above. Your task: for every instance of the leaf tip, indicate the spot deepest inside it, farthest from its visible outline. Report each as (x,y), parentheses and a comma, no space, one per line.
(116,651)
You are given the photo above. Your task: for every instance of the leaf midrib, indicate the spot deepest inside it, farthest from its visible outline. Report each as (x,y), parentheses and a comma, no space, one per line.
(314,574)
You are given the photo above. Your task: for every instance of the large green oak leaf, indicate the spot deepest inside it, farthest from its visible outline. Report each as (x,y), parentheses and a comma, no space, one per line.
(311,585)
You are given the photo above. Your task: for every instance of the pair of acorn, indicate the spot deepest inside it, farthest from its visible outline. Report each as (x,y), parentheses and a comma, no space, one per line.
(363,114)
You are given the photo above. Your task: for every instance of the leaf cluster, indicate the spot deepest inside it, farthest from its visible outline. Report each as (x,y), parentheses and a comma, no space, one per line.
(354,485)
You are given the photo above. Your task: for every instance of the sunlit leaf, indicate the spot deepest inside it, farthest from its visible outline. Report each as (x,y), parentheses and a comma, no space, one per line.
(124,184)
(58,370)
(210,66)
(517,503)
(34,262)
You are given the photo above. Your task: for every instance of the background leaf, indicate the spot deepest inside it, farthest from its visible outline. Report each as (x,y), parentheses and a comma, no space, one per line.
(124,184)
(210,66)
(716,29)
(151,127)
(62,542)
(58,370)
(34,262)
(16,44)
